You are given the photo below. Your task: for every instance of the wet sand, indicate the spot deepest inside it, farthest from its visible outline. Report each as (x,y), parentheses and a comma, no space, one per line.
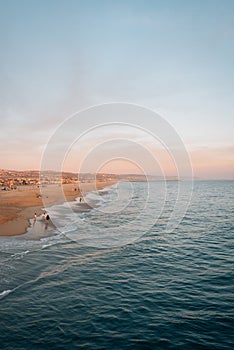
(18,206)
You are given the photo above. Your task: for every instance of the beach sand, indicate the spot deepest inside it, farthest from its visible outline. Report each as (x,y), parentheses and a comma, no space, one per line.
(18,206)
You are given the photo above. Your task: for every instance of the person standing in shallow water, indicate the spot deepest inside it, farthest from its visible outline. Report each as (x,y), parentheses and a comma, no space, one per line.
(35,218)
(47,221)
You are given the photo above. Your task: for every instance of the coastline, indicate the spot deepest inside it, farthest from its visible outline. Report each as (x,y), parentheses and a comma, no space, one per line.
(17,207)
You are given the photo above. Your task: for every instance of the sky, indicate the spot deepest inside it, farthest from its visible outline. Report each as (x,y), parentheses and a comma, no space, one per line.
(172,57)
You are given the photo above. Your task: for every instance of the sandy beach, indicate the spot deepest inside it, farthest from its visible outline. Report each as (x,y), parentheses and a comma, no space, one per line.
(20,205)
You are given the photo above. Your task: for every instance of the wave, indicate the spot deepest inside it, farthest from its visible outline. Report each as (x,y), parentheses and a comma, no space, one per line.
(20,255)
(66,218)
(5,293)
(69,216)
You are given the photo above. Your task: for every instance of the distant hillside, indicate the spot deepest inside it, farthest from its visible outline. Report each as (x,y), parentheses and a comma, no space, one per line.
(13,178)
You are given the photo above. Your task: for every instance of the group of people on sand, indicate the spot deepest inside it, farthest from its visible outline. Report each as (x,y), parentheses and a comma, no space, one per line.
(45,217)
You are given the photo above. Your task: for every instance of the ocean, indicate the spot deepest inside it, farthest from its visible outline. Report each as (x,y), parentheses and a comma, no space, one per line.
(136,268)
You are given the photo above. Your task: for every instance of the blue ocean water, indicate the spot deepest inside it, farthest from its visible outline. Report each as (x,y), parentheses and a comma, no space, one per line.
(162,290)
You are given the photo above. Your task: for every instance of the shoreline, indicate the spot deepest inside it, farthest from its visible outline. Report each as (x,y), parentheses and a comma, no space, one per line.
(17,207)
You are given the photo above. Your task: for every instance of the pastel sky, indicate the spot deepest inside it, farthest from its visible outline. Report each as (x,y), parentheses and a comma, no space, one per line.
(174,57)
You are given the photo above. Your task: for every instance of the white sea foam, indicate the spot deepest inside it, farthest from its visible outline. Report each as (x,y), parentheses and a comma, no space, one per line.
(47,245)
(5,293)
(67,217)
(20,255)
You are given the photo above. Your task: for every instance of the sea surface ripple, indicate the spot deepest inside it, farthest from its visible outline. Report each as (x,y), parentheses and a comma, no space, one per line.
(164,291)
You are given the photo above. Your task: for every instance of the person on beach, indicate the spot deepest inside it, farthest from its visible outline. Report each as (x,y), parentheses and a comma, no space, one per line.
(80,199)
(35,218)
(47,221)
(43,216)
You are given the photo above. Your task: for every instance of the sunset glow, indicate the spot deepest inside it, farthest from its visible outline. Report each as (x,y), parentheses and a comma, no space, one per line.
(60,59)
